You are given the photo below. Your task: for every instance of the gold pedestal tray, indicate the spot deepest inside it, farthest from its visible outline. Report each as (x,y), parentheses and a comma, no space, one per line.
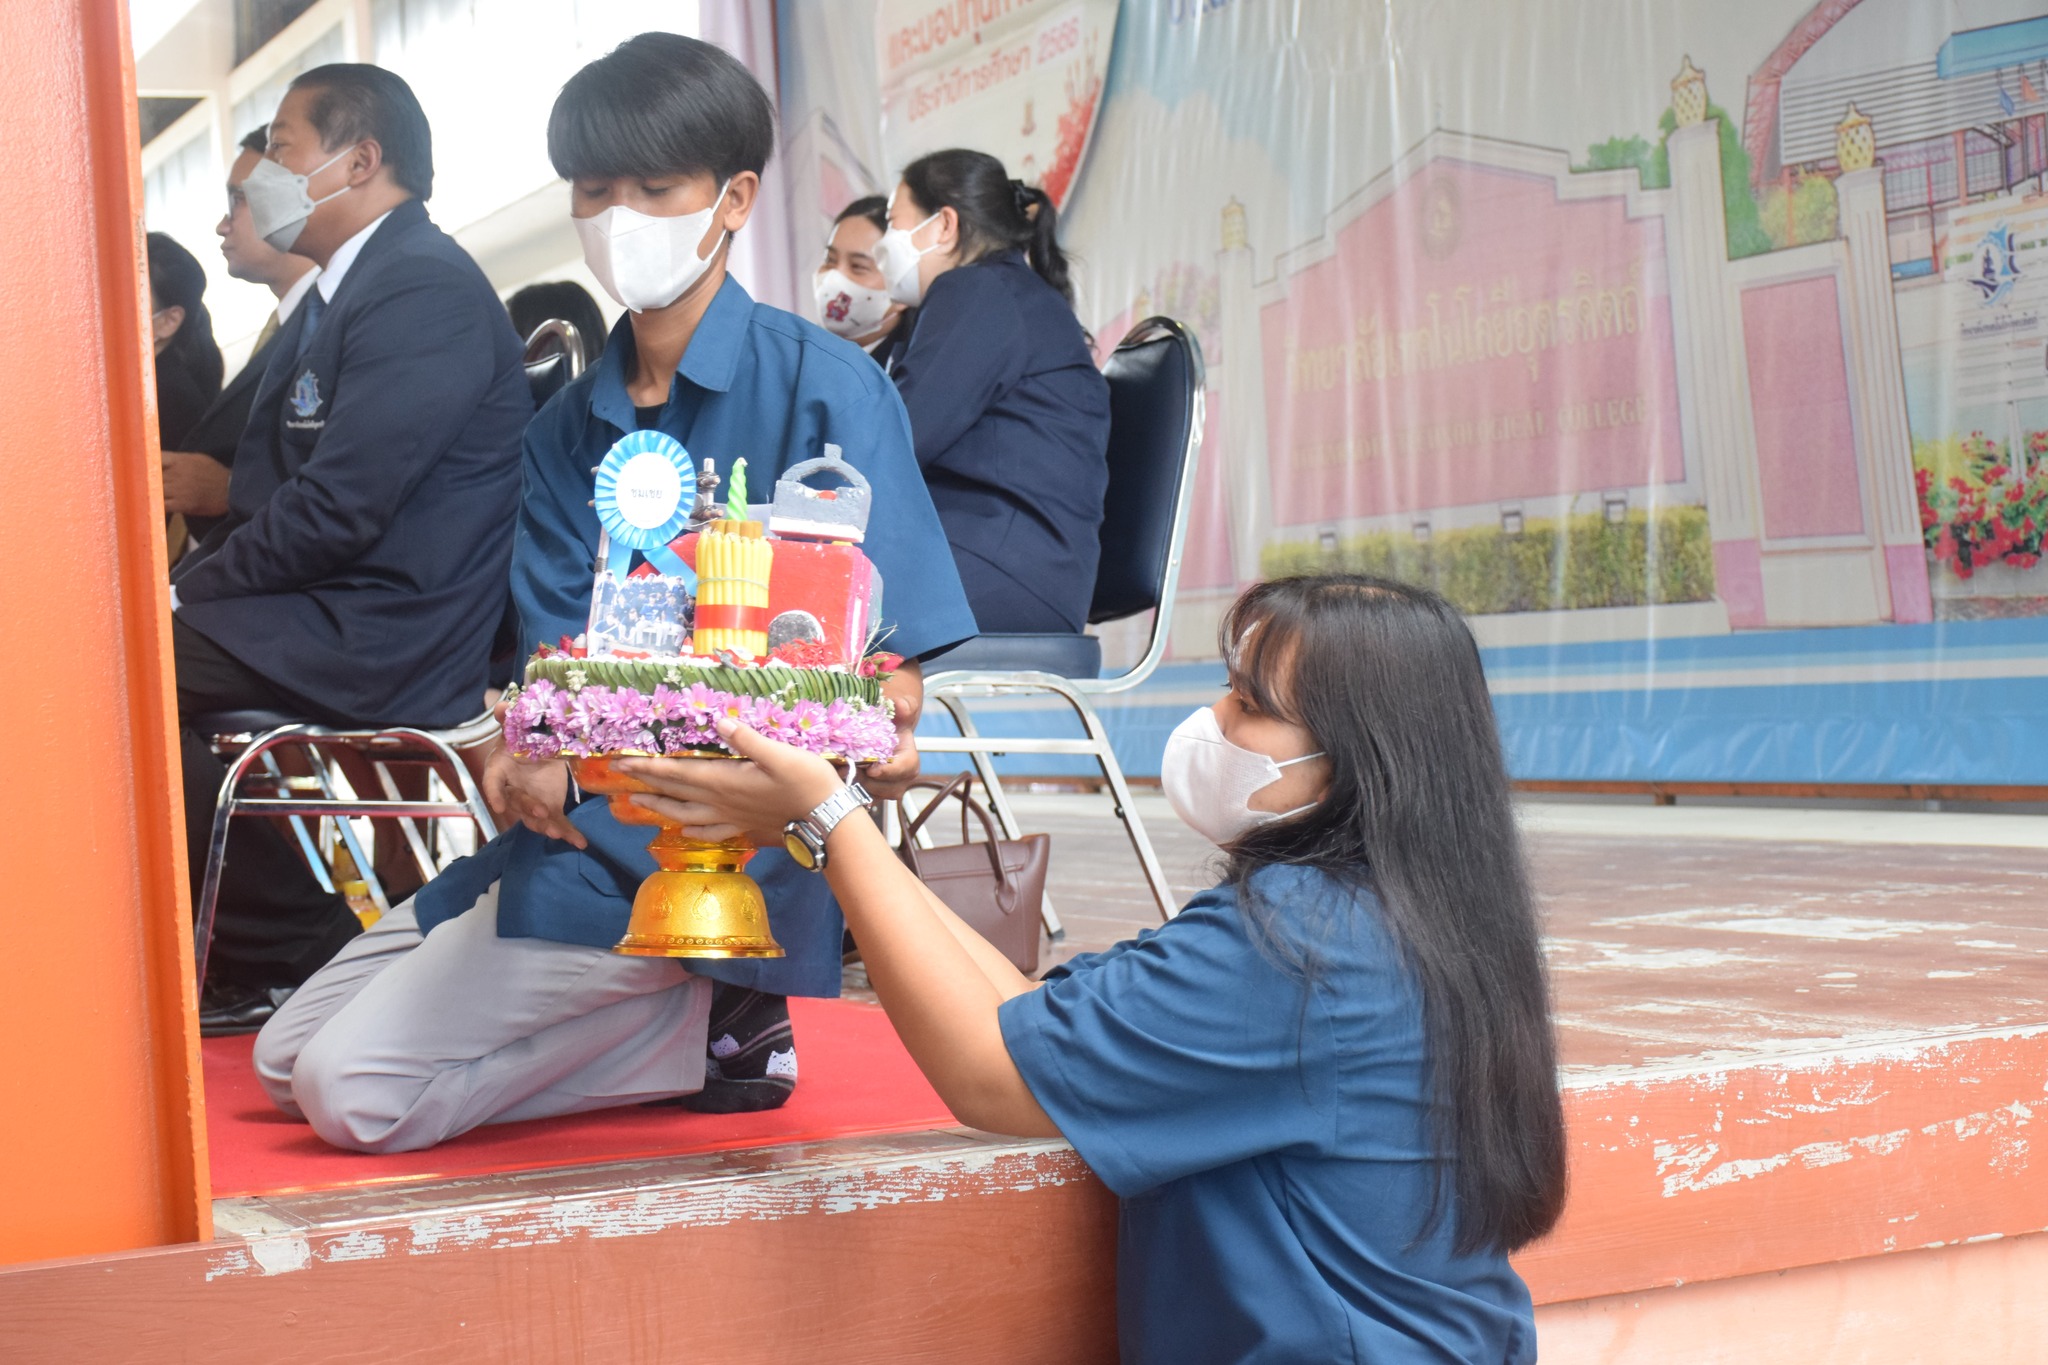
(700,903)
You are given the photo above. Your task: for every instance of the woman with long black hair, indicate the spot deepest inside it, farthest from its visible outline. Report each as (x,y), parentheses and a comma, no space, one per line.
(1009,415)
(1327,1090)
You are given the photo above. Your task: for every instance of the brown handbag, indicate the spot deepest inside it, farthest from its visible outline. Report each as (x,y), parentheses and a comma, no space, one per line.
(997,885)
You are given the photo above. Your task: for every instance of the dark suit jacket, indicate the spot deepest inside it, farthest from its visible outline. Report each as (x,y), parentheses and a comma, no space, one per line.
(364,561)
(219,429)
(1011,419)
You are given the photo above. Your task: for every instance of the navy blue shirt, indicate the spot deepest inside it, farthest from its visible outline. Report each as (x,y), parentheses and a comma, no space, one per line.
(1271,1148)
(1012,425)
(361,567)
(759,383)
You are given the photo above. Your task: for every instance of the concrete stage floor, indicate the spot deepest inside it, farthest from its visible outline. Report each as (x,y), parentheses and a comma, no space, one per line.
(1695,933)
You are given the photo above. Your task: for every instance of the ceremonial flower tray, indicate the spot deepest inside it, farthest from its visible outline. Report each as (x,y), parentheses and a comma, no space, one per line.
(579,708)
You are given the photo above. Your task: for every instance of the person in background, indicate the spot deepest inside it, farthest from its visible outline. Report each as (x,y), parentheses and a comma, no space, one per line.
(564,299)
(360,571)
(1010,415)
(492,994)
(853,298)
(1327,1090)
(188,363)
(196,473)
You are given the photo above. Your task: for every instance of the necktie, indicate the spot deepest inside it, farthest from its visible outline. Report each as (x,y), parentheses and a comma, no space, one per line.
(314,306)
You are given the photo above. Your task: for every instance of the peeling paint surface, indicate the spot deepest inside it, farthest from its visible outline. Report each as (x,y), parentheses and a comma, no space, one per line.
(634,1199)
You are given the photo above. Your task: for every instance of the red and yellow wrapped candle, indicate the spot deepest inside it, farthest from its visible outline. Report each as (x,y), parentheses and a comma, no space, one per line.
(733,563)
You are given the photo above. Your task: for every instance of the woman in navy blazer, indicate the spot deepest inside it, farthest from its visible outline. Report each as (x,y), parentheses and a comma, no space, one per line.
(1008,412)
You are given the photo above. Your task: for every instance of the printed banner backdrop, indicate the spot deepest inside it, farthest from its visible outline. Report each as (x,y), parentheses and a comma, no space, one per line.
(1696,349)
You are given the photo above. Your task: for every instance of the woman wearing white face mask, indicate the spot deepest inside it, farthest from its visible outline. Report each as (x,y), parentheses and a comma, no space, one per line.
(1010,415)
(1327,1090)
(853,298)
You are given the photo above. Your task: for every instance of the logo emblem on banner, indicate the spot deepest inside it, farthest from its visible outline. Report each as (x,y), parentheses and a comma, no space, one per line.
(643,494)
(1997,266)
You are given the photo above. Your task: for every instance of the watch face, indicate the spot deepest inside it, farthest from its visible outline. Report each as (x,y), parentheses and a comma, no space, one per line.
(799,849)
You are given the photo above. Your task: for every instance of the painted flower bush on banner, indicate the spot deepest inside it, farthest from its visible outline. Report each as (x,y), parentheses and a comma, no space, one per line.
(1975,508)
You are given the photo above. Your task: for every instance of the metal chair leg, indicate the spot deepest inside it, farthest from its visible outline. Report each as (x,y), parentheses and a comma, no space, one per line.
(366,866)
(216,855)
(309,847)
(999,802)
(409,827)
(1134,826)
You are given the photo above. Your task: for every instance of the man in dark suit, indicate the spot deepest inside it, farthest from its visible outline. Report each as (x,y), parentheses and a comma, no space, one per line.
(362,566)
(196,477)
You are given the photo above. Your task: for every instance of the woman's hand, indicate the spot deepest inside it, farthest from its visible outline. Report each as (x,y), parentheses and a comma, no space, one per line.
(716,799)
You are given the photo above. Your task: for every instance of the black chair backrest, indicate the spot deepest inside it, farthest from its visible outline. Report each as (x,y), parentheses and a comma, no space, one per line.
(1155,377)
(554,356)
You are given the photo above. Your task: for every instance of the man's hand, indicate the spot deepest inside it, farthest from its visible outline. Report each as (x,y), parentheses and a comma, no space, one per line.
(889,780)
(195,484)
(534,794)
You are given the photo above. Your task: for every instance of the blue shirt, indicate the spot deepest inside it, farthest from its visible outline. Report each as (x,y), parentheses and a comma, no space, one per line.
(1271,1146)
(754,382)
(1012,425)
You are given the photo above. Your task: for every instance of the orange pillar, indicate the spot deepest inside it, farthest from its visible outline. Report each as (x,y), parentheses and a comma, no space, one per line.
(102,1137)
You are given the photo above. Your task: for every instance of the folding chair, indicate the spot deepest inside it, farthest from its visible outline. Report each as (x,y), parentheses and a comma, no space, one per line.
(1155,434)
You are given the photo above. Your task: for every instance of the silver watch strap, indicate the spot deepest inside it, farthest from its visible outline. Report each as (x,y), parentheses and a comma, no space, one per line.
(826,815)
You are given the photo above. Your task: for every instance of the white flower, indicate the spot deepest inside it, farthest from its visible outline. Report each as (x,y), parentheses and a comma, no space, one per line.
(576,677)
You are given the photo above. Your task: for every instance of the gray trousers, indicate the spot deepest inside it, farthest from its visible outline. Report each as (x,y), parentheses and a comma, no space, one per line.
(403,1041)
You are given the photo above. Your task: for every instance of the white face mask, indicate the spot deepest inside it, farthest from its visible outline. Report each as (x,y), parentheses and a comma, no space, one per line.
(1210,782)
(848,309)
(280,203)
(896,256)
(646,262)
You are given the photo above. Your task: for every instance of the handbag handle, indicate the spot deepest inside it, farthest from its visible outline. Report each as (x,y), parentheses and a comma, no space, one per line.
(959,786)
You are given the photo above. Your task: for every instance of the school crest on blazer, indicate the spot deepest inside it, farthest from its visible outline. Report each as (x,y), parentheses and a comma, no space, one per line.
(305,402)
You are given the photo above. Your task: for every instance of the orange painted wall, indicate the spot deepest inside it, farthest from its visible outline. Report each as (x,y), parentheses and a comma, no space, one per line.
(101,1134)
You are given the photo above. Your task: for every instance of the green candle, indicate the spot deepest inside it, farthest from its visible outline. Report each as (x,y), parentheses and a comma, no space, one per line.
(736,492)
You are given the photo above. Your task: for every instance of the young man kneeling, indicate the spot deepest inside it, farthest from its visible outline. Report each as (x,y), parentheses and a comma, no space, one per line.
(492,995)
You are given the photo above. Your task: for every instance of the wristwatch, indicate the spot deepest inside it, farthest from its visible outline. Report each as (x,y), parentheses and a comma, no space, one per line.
(805,838)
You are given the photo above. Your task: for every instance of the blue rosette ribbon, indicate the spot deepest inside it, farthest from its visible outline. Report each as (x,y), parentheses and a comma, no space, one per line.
(645,490)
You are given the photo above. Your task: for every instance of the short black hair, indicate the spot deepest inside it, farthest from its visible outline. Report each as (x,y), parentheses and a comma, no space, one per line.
(658,105)
(564,299)
(355,101)
(257,139)
(873,207)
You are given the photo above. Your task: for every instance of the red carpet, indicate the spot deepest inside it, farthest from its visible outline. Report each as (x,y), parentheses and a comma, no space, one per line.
(855,1079)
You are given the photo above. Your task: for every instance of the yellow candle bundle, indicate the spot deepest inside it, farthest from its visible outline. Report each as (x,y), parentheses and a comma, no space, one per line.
(733,560)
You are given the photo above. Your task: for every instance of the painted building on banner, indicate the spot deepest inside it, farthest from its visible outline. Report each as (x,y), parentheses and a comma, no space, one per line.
(1489,365)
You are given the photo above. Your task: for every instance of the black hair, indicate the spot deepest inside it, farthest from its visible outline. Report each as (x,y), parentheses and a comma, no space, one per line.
(1388,680)
(996,212)
(257,139)
(872,207)
(658,105)
(564,299)
(357,102)
(176,280)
